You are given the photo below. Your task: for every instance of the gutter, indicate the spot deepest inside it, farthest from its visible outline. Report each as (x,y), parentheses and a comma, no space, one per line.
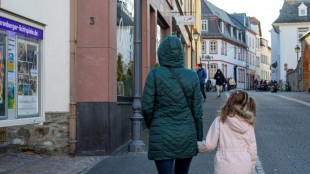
(72,121)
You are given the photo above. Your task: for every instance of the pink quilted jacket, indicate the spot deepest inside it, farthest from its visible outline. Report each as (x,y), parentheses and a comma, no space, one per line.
(236,146)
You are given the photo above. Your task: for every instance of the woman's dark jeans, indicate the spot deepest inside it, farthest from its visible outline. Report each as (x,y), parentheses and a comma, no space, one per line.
(167,166)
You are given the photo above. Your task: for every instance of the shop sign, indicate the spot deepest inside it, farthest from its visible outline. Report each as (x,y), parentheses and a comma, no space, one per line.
(20,28)
(185,20)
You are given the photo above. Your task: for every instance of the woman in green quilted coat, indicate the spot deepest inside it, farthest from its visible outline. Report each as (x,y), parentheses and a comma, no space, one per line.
(174,121)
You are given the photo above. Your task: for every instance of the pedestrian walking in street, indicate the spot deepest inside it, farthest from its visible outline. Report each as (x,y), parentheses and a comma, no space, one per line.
(256,84)
(220,81)
(172,110)
(202,77)
(232,82)
(233,134)
(224,84)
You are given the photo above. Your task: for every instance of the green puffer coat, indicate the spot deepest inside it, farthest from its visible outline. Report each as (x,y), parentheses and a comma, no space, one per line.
(174,127)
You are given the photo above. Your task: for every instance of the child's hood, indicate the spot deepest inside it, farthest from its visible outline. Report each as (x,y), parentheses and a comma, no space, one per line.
(238,124)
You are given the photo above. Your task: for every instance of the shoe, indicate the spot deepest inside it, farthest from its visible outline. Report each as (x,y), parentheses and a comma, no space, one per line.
(204,100)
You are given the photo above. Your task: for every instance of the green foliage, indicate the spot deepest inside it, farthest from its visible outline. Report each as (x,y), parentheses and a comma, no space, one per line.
(120,63)
(157,64)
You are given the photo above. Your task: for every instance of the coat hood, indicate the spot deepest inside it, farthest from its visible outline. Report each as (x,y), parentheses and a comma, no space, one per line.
(170,52)
(241,121)
(237,124)
(218,70)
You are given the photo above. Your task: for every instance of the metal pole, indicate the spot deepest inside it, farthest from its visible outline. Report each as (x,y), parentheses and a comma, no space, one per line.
(137,144)
(208,69)
(196,51)
(297,69)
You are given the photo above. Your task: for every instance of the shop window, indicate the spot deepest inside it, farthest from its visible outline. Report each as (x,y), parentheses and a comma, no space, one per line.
(125,46)
(27,68)
(21,58)
(3,83)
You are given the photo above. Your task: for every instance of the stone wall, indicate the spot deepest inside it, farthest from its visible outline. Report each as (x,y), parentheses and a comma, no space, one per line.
(50,138)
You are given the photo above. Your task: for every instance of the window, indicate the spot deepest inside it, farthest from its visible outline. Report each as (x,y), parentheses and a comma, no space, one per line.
(257,62)
(243,76)
(125,47)
(222,27)
(213,47)
(302,9)
(235,52)
(222,48)
(301,32)
(21,57)
(302,12)
(204,25)
(231,31)
(203,47)
(250,59)
(225,48)
(225,71)
(213,69)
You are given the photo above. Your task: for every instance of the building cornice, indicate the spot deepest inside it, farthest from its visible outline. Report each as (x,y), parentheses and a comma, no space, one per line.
(299,23)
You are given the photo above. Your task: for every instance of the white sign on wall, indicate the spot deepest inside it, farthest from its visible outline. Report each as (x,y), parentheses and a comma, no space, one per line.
(185,20)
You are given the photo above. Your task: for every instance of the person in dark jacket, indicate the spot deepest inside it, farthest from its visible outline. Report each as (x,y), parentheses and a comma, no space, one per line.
(202,77)
(174,117)
(220,81)
(256,83)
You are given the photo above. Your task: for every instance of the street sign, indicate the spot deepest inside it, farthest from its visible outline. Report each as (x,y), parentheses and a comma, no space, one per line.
(185,20)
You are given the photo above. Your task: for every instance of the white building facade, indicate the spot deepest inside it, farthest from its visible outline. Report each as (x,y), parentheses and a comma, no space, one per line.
(223,41)
(251,58)
(35,61)
(292,23)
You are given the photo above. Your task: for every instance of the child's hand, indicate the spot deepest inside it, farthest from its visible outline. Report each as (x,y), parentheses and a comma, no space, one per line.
(201,147)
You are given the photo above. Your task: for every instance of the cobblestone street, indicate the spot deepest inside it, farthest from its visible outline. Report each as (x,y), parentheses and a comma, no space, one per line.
(281,132)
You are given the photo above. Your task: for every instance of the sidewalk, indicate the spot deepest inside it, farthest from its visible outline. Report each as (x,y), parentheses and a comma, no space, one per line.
(29,163)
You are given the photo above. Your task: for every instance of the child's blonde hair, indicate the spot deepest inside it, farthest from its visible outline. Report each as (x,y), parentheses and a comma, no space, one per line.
(239,103)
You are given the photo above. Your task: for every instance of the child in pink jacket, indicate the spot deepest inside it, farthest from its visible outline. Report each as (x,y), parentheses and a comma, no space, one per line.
(233,135)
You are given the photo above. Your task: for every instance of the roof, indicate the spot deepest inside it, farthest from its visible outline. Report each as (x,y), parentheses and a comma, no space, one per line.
(239,19)
(289,12)
(304,36)
(223,15)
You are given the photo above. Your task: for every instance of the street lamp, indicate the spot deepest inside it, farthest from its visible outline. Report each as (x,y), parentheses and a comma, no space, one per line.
(196,37)
(297,50)
(247,77)
(208,59)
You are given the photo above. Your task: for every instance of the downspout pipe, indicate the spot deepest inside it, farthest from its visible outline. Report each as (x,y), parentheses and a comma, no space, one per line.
(72,120)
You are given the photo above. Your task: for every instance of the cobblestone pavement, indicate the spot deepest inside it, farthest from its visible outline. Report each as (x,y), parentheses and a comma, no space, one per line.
(26,163)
